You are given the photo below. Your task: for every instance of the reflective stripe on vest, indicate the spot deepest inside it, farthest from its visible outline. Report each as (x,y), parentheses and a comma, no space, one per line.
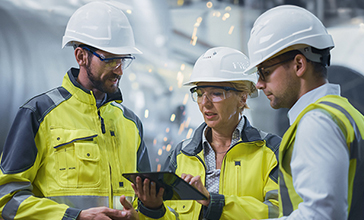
(286,203)
(356,177)
(356,155)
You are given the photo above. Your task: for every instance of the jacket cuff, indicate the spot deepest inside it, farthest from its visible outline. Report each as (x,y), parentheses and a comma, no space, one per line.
(71,214)
(151,213)
(214,210)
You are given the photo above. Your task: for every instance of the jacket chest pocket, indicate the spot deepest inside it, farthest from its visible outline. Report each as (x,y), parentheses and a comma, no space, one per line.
(77,159)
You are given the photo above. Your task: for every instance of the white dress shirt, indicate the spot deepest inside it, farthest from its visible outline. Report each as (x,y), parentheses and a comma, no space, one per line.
(320,161)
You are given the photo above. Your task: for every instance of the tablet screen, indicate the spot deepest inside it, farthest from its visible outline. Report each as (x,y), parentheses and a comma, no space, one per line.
(175,188)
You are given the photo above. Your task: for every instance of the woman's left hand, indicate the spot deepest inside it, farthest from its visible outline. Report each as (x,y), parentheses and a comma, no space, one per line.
(197,183)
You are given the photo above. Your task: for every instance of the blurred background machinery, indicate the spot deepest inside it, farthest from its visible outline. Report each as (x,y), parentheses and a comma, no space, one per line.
(172,34)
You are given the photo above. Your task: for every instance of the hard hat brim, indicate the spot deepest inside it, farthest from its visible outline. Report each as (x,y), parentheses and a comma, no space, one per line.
(112,50)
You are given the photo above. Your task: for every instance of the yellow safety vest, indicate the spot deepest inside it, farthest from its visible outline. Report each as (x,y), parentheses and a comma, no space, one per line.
(351,123)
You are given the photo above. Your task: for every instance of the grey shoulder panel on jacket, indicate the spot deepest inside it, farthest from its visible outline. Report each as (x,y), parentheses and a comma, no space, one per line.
(20,150)
(251,133)
(170,163)
(272,141)
(42,104)
(191,146)
(129,114)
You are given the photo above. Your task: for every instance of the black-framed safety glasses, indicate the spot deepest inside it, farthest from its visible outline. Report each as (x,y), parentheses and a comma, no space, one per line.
(263,72)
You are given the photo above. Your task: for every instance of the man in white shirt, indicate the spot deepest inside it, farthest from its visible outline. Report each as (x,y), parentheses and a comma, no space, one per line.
(321,154)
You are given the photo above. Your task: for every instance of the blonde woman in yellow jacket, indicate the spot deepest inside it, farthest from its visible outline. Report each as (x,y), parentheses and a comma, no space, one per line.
(228,160)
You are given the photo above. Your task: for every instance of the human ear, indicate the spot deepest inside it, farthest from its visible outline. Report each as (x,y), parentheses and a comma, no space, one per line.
(80,56)
(300,64)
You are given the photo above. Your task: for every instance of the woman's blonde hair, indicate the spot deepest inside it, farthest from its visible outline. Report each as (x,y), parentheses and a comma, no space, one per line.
(245,87)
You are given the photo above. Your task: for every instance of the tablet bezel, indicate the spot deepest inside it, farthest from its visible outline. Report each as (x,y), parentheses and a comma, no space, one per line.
(175,188)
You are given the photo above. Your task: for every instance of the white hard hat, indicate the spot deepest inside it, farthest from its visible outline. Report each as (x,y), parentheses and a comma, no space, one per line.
(103,26)
(222,64)
(282,27)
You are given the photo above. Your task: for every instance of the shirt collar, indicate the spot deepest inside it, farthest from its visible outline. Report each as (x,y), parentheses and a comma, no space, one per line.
(236,136)
(311,97)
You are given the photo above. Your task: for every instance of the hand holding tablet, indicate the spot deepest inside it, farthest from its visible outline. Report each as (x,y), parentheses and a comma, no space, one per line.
(175,188)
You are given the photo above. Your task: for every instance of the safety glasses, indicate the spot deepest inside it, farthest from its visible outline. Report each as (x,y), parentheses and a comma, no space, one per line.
(112,62)
(213,93)
(263,72)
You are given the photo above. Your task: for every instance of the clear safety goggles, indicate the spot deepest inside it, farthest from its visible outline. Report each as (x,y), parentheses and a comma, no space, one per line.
(212,93)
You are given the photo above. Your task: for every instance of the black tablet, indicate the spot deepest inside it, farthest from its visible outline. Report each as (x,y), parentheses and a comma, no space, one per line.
(175,188)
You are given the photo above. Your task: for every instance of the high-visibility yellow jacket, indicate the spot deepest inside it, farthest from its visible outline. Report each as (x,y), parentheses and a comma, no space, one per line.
(64,154)
(351,123)
(248,186)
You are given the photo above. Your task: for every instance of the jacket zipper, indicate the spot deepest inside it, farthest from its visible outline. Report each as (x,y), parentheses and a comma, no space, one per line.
(222,172)
(204,165)
(102,122)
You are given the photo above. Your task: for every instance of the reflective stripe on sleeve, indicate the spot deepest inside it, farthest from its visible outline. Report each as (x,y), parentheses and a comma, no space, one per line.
(82,202)
(11,208)
(273,210)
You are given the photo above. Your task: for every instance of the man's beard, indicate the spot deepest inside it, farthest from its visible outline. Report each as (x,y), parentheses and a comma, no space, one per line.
(99,84)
